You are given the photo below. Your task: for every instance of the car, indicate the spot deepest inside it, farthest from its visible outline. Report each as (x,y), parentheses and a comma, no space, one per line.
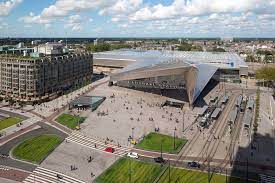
(133,155)
(109,149)
(194,164)
(159,160)
(133,142)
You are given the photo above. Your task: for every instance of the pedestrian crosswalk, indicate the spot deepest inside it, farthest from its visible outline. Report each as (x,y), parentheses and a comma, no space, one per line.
(43,175)
(95,144)
(4,168)
(266,178)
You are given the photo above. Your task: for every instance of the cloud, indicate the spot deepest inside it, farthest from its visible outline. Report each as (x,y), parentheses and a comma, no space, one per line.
(27,26)
(75,23)
(122,7)
(7,6)
(63,7)
(47,26)
(37,19)
(123,26)
(3,25)
(178,17)
(202,7)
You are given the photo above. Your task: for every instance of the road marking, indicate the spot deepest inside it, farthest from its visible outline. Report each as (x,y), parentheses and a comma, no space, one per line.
(43,175)
(271,109)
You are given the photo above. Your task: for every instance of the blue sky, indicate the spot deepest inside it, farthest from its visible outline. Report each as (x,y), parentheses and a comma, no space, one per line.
(137,18)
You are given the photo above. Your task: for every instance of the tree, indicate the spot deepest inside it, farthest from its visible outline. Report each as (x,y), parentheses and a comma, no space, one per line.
(264,52)
(185,47)
(216,49)
(99,47)
(106,47)
(266,73)
(250,58)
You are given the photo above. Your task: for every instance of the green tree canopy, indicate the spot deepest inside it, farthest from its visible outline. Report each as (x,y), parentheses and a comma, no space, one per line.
(106,47)
(266,73)
(188,47)
(216,49)
(265,52)
(99,47)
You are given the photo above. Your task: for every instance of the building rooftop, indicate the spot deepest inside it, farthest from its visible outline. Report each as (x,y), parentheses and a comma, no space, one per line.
(17,56)
(225,60)
(21,57)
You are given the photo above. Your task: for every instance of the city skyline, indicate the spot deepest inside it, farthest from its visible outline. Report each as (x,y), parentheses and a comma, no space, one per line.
(137,18)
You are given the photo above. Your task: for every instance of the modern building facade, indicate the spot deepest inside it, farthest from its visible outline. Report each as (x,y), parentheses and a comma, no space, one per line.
(189,71)
(35,79)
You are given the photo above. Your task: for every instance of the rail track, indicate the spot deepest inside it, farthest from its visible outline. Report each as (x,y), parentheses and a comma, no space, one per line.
(214,140)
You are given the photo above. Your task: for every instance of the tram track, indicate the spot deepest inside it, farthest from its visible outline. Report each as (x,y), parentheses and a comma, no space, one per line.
(215,139)
(234,137)
(216,127)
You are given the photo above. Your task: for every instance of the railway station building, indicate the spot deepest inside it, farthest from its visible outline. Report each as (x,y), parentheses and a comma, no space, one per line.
(165,70)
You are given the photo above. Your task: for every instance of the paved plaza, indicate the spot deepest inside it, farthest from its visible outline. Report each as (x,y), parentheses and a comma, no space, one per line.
(3,180)
(48,108)
(127,112)
(71,154)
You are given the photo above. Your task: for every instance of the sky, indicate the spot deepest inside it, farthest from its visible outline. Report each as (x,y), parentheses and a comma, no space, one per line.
(137,18)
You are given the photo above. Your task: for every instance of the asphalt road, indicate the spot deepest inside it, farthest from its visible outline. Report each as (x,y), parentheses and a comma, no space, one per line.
(13,114)
(6,148)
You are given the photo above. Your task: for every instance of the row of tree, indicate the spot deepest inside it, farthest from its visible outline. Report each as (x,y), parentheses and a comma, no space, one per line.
(188,47)
(266,73)
(265,52)
(218,49)
(106,47)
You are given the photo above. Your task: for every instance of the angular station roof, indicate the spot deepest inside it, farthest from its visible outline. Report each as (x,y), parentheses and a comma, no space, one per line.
(197,68)
(225,60)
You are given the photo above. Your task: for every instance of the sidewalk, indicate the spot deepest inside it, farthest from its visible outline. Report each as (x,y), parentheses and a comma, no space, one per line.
(51,108)
(13,174)
(12,129)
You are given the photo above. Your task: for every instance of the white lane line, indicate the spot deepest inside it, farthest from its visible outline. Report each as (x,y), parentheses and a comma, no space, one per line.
(271,109)
(55,172)
(37,178)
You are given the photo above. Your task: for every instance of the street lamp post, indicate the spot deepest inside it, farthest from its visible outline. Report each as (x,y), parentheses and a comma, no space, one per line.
(226,176)
(133,133)
(175,138)
(246,169)
(161,147)
(224,85)
(183,121)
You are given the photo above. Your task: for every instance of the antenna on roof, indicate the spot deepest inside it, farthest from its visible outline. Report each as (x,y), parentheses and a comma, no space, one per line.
(66,39)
